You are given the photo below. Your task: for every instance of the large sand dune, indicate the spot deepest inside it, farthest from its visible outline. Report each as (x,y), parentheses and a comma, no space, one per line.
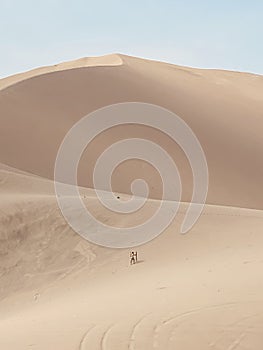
(199,291)
(224,109)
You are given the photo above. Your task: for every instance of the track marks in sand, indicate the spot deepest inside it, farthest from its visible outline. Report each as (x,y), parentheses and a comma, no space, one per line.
(104,337)
(96,338)
(135,327)
(83,339)
(209,326)
(236,342)
(121,336)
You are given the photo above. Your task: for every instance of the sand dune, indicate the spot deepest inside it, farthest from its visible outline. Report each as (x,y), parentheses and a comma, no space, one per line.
(202,290)
(224,109)
(104,61)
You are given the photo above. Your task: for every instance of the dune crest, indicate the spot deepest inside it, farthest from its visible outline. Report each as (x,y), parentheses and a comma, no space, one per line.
(100,61)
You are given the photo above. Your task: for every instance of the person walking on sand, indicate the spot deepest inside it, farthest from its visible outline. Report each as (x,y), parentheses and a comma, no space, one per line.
(132,258)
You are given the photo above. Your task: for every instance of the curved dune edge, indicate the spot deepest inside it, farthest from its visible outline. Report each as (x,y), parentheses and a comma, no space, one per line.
(113,60)
(53,281)
(85,62)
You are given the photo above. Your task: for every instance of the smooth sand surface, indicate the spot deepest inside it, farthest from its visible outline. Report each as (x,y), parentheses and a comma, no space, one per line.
(202,290)
(224,109)
(199,291)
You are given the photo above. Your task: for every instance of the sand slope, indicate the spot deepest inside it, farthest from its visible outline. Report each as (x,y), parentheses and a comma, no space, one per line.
(223,108)
(198,291)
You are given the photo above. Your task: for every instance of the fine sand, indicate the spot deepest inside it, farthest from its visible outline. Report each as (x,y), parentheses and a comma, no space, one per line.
(199,291)
(224,109)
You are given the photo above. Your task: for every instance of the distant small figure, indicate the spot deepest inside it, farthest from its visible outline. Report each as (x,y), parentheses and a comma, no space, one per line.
(133,258)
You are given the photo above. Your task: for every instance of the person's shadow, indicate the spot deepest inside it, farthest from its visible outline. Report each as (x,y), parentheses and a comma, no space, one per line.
(139,261)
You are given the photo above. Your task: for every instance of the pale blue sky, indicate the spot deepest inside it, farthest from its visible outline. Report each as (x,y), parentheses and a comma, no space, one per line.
(224,34)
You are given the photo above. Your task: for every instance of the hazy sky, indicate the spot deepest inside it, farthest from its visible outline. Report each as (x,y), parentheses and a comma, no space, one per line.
(202,33)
